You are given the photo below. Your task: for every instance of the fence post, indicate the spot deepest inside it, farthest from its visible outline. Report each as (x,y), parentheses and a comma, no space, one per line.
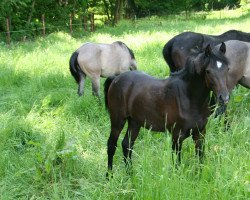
(8,30)
(70,23)
(92,22)
(43,22)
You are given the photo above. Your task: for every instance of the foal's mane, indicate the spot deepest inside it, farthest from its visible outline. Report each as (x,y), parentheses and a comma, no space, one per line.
(218,55)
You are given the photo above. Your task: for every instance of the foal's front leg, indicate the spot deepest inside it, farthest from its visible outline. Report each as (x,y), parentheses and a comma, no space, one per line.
(199,140)
(177,140)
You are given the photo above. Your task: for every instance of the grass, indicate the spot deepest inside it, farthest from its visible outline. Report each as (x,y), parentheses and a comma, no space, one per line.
(53,143)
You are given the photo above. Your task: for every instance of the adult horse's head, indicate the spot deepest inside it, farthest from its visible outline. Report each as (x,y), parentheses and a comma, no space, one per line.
(214,66)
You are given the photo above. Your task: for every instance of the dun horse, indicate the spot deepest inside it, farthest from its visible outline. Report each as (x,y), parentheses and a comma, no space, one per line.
(179,103)
(95,60)
(238,55)
(179,48)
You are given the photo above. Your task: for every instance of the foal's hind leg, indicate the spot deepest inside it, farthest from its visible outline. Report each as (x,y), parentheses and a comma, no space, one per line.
(81,84)
(116,128)
(129,139)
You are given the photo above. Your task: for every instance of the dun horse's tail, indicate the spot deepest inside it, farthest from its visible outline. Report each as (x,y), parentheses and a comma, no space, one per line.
(167,51)
(107,84)
(74,67)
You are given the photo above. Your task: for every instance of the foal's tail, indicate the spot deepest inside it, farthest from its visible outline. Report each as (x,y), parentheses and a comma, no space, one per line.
(74,67)
(167,51)
(107,84)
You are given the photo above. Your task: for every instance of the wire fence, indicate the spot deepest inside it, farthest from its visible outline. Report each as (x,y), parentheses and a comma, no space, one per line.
(41,28)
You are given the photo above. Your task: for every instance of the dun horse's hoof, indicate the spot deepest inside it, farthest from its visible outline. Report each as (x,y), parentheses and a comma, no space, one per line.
(80,94)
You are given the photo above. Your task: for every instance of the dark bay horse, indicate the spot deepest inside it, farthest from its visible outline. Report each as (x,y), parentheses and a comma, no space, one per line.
(179,103)
(97,60)
(179,48)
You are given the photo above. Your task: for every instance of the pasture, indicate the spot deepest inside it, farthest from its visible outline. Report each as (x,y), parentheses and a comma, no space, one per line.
(53,142)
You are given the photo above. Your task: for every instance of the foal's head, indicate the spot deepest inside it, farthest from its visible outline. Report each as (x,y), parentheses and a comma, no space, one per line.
(214,66)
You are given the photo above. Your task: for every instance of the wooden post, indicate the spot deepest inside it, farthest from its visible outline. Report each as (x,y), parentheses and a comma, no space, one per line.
(85,22)
(93,19)
(92,22)
(70,23)
(43,22)
(8,30)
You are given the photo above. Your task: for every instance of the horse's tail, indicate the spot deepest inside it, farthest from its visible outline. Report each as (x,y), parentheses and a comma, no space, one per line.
(167,51)
(107,84)
(74,67)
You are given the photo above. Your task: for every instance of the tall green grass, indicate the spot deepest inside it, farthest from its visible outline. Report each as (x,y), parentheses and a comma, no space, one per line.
(53,143)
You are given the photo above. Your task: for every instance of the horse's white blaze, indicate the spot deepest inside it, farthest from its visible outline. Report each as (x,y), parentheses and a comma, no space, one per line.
(219,64)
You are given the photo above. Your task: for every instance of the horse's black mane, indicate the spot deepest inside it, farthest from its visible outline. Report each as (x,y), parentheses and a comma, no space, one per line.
(189,68)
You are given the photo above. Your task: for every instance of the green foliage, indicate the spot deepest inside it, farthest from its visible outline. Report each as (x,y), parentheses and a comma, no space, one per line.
(25,16)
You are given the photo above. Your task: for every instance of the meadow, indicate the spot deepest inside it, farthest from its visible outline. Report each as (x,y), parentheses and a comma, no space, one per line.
(53,143)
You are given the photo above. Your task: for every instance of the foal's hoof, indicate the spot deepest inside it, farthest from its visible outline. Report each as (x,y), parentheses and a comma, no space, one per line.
(109,175)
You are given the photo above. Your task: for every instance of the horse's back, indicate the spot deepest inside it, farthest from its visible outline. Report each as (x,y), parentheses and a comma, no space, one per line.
(103,59)
(141,97)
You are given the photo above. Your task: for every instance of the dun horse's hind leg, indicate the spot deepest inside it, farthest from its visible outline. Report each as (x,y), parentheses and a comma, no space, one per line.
(96,86)
(129,139)
(116,128)
(81,84)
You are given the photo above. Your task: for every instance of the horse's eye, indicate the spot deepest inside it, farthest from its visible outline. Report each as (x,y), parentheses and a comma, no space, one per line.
(207,71)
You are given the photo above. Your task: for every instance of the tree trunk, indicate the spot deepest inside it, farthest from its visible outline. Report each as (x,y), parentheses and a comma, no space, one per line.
(31,11)
(106,7)
(117,13)
(130,9)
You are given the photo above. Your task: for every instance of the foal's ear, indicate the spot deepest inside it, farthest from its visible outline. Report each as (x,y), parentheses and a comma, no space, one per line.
(208,50)
(223,48)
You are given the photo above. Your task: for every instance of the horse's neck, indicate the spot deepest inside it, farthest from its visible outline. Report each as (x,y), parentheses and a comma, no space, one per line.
(235,35)
(198,91)
(191,96)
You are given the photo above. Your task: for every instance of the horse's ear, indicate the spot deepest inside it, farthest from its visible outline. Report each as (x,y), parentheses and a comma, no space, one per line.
(223,48)
(208,50)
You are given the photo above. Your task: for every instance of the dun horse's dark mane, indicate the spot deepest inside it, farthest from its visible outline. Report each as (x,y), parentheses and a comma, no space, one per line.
(130,50)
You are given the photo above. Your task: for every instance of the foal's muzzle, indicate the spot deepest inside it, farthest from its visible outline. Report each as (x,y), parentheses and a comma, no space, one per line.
(223,99)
